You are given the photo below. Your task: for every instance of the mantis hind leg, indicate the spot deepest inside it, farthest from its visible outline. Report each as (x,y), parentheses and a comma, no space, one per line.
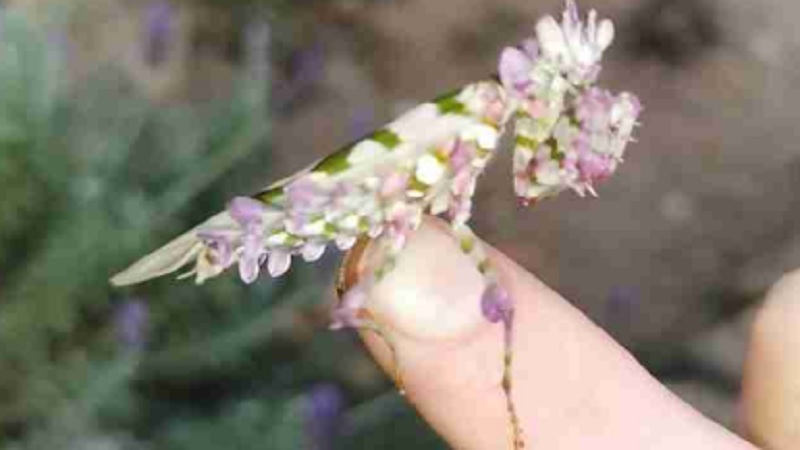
(497,306)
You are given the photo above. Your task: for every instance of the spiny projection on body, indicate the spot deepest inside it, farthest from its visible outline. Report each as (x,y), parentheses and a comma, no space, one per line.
(569,134)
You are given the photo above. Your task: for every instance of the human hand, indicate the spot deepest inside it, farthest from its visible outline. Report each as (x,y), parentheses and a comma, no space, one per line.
(574,387)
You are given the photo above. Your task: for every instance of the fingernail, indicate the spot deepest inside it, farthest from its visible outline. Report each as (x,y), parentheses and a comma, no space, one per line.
(432,292)
(350,269)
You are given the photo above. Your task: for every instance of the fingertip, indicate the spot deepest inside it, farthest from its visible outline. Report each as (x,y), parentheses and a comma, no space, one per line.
(448,355)
(432,291)
(770,390)
(573,386)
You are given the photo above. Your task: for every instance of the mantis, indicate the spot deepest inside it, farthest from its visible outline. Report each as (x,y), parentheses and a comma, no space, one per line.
(569,134)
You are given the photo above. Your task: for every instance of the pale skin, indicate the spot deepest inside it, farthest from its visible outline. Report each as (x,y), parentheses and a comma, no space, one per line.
(574,387)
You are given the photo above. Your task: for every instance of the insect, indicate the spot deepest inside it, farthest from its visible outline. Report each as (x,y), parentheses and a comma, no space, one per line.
(569,134)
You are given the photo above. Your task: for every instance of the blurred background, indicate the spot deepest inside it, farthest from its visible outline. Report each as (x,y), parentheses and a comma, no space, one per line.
(124,122)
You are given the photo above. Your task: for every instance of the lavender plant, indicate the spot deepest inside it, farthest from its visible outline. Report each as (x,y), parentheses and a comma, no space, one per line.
(74,164)
(569,134)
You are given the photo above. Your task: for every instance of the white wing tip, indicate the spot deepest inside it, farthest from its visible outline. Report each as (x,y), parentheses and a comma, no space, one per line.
(171,257)
(166,259)
(122,279)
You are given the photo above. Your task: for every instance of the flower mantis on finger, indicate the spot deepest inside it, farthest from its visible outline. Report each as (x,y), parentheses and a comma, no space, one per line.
(569,134)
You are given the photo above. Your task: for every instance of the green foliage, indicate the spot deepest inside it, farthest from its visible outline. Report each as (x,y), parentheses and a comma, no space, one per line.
(94,175)
(389,423)
(260,423)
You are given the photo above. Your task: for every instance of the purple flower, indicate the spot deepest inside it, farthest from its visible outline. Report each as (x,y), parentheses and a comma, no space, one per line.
(158,30)
(324,405)
(308,65)
(623,301)
(60,45)
(305,68)
(130,323)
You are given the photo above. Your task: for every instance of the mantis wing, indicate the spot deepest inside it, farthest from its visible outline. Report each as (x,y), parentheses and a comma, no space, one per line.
(427,159)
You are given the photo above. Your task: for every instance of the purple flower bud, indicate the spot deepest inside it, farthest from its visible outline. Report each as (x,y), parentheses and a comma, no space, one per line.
(130,323)
(159,19)
(60,46)
(623,301)
(308,65)
(323,416)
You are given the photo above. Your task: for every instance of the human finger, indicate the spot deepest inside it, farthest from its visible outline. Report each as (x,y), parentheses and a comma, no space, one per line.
(574,387)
